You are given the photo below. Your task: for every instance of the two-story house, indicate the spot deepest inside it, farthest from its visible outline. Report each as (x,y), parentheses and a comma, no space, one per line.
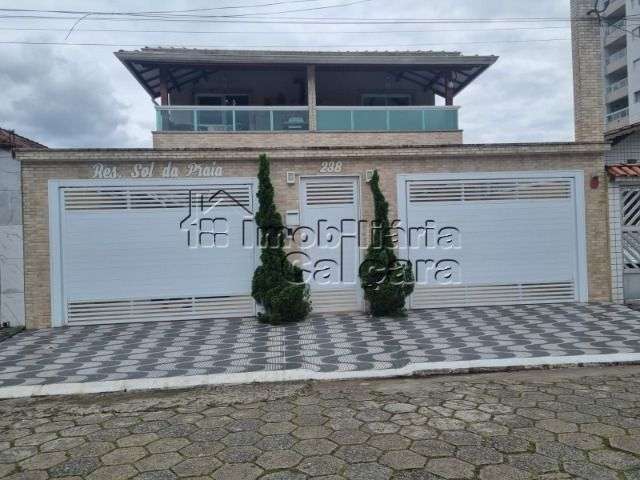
(167,233)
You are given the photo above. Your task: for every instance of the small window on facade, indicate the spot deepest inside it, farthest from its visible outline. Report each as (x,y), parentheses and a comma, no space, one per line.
(636,97)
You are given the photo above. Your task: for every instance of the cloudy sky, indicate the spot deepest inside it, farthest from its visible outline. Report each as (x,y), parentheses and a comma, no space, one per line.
(81,96)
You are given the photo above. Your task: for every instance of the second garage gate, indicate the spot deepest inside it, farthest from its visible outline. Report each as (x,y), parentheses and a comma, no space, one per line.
(494,238)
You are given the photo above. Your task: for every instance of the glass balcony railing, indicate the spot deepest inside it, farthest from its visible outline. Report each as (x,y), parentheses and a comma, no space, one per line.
(617,27)
(180,118)
(618,85)
(387,119)
(618,115)
(614,57)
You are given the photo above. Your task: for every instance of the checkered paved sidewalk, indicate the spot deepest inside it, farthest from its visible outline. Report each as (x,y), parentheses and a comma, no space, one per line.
(324,343)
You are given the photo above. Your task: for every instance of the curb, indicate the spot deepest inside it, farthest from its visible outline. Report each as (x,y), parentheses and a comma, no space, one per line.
(416,369)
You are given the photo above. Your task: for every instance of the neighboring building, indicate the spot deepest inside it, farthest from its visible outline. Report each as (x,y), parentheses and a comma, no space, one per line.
(11,269)
(621,72)
(121,235)
(621,65)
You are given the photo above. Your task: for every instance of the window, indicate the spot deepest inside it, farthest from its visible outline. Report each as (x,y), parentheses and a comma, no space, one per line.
(386,100)
(636,97)
(222,100)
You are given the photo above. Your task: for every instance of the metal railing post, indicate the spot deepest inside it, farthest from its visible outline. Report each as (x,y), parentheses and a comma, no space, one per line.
(195,120)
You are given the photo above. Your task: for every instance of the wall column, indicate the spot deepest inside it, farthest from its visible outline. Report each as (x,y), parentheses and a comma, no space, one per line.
(311,97)
(164,91)
(448,78)
(587,72)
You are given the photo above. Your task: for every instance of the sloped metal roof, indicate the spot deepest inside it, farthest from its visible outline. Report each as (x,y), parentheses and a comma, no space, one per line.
(187,64)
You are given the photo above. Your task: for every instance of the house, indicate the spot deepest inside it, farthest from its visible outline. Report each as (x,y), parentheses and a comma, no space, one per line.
(11,269)
(167,233)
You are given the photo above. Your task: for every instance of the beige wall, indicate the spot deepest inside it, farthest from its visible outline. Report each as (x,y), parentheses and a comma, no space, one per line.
(587,72)
(471,159)
(301,139)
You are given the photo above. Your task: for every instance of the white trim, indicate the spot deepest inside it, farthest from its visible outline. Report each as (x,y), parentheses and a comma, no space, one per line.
(581,232)
(55,255)
(304,374)
(582,282)
(58,313)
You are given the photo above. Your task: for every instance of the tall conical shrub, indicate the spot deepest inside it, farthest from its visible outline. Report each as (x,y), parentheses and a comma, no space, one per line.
(386,280)
(277,284)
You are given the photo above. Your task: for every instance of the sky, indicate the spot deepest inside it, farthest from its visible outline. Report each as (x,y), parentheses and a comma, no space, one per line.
(67,95)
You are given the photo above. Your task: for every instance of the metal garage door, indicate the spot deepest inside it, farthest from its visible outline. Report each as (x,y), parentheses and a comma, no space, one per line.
(491,239)
(330,213)
(152,250)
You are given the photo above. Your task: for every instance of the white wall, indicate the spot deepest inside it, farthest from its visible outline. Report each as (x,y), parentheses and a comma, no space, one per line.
(633,53)
(11,269)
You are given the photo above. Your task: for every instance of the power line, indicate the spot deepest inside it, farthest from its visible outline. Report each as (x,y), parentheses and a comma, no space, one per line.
(289,47)
(232,7)
(272,32)
(175,14)
(262,18)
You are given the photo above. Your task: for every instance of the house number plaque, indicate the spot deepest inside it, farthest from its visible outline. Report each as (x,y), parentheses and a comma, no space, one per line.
(331,167)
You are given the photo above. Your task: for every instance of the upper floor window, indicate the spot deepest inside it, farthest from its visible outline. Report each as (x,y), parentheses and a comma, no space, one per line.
(222,100)
(386,100)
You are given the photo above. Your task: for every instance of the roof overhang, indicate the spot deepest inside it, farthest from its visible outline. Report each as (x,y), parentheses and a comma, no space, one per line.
(184,66)
(615,136)
(10,139)
(624,170)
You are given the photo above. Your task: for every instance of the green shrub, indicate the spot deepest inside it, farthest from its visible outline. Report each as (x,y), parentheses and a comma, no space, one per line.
(277,284)
(386,281)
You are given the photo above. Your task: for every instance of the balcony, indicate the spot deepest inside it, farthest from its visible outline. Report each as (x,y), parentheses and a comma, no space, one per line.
(616,61)
(618,119)
(616,9)
(185,118)
(615,32)
(617,90)
(387,119)
(181,118)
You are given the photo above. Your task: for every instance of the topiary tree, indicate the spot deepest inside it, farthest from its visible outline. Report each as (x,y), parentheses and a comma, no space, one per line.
(386,281)
(277,285)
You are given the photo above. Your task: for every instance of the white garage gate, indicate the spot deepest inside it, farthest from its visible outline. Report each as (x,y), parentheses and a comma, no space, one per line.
(151,250)
(494,238)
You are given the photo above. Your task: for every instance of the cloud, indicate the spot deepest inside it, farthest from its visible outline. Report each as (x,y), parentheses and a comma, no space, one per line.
(82,96)
(61,100)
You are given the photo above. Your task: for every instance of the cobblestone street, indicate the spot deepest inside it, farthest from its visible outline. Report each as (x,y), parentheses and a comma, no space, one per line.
(561,424)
